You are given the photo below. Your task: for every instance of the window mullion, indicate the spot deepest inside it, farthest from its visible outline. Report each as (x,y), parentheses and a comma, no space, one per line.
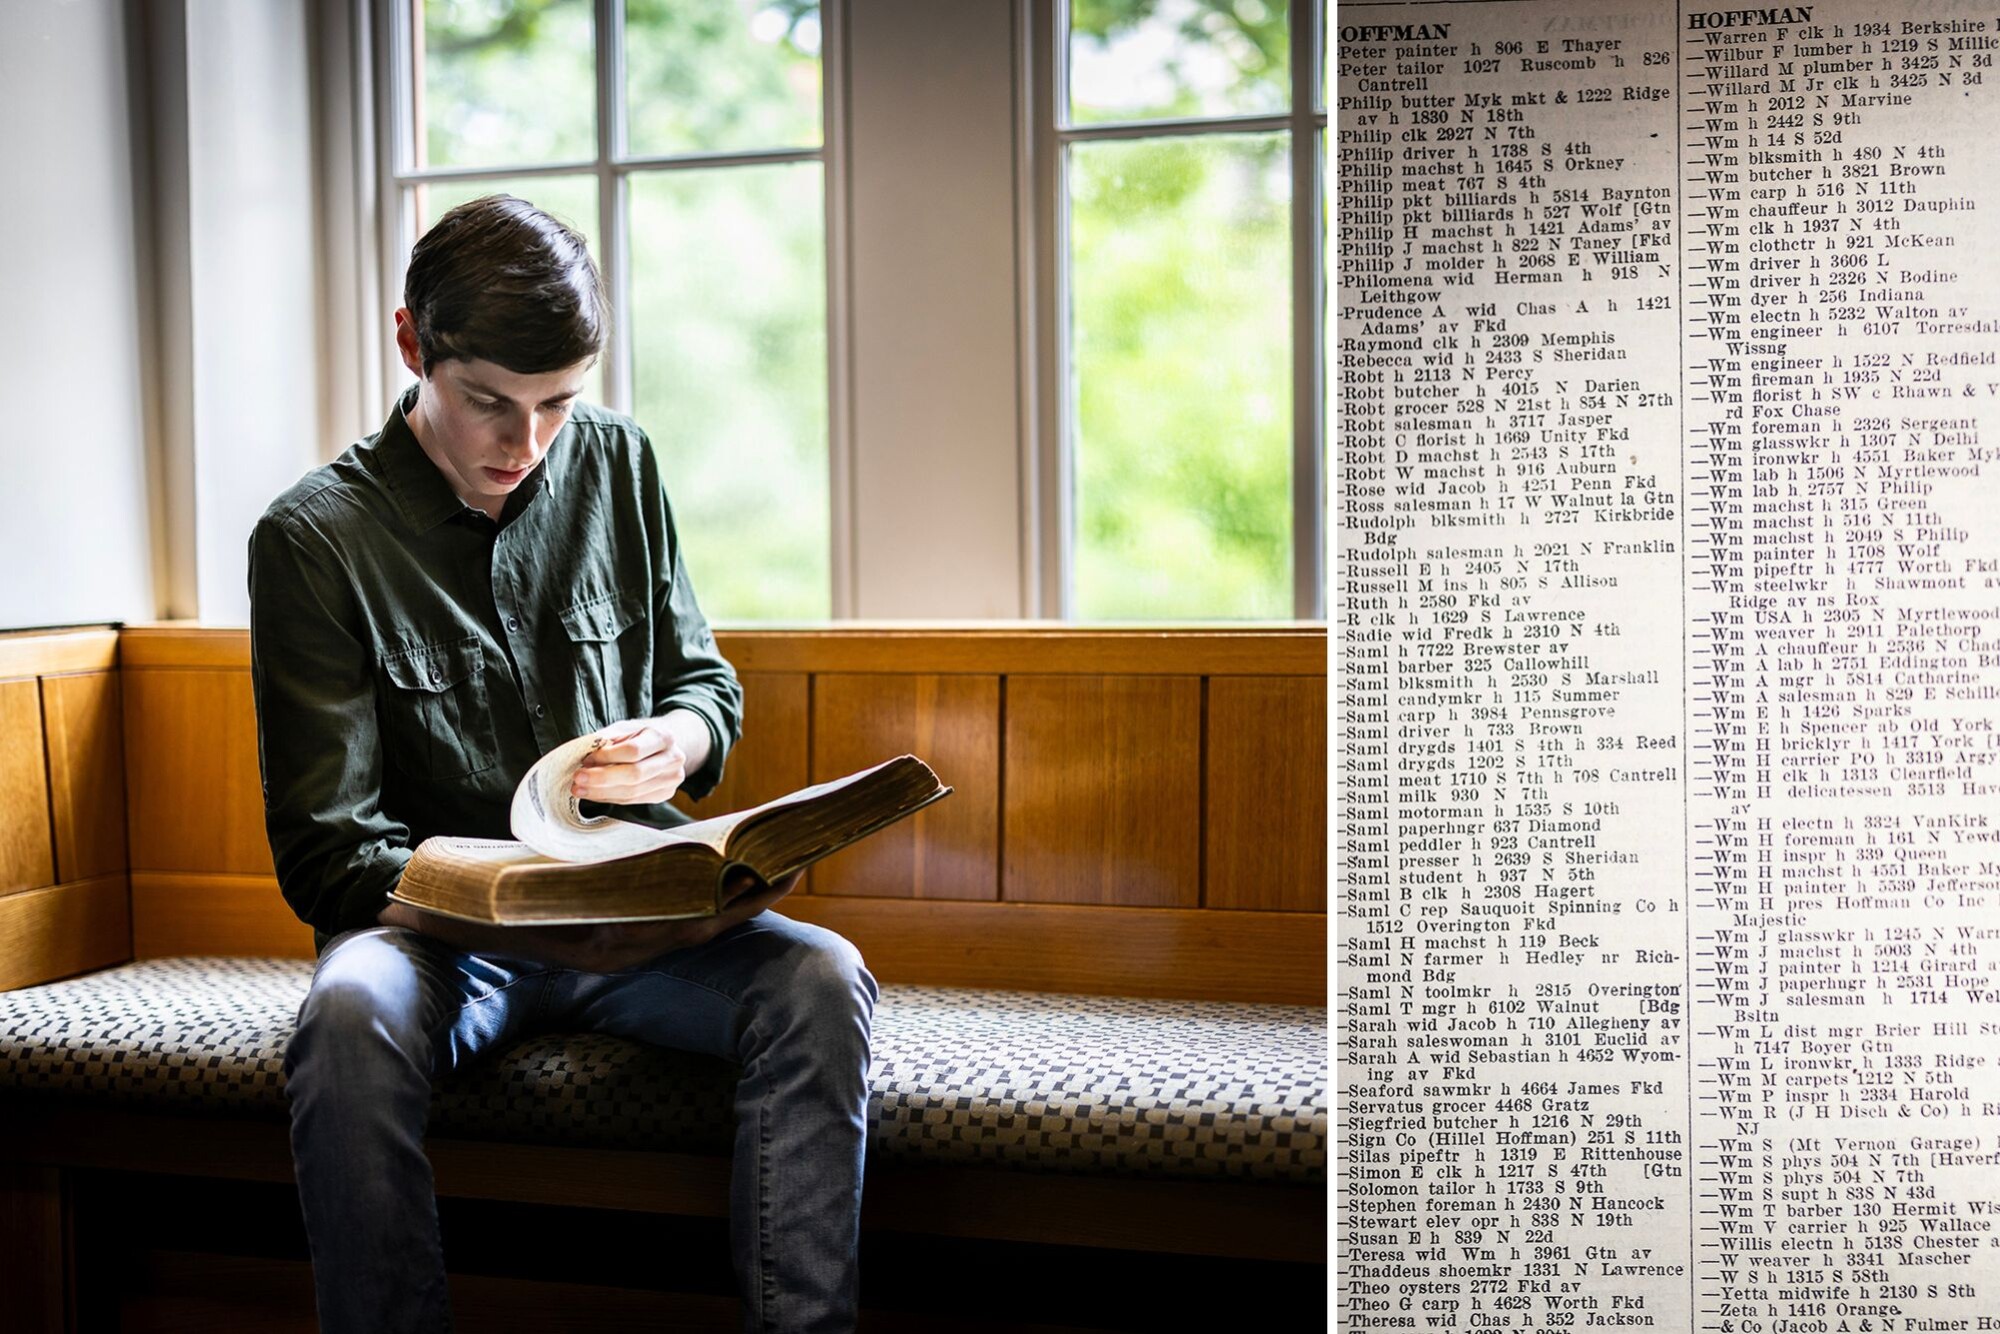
(454,175)
(611,230)
(1308,321)
(1166,129)
(843,536)
(393,137)
(1054,450)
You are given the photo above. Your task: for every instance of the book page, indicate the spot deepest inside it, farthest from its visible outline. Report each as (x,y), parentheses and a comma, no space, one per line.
(1669,633)
(549,819)
(547,816)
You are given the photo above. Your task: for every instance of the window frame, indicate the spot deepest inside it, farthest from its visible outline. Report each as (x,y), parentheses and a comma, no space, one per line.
(1044,457)
(613,166)
(1046,292)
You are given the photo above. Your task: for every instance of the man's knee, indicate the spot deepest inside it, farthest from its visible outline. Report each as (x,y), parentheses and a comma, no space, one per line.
(828,977)
(366,1009)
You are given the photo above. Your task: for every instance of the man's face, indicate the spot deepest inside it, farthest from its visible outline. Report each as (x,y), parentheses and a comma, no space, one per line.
(484,426)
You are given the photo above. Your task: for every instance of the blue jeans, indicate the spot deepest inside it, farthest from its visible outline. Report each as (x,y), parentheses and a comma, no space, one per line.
(391,1010)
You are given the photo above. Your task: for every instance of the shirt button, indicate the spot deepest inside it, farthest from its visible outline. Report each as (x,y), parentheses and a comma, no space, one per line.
(434,676)
(540,711)
(513,622)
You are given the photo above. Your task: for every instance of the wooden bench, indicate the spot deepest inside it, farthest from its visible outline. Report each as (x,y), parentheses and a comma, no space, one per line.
(1139,813)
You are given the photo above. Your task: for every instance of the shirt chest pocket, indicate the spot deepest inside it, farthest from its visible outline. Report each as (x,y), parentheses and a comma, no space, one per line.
(436,722)
(612,649)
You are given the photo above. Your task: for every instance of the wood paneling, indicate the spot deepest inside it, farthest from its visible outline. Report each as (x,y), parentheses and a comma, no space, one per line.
(184,644)
(85,729)
(197,800)
(1197,954)
(1097,785)
(175,913)
(1103,790)
(1266,817)
(1017,647)
(770,760)
(27,849)
(46,652)
(63,930)
(1029,648)
(1248,1220)
(32,1241)
(1252,1220)
(951,850)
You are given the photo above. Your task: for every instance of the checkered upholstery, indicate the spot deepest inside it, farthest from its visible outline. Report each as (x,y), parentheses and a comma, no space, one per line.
(1011,1078)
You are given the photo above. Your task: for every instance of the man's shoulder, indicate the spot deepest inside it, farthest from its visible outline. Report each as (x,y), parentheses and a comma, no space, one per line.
(607,448)
(597,418)
(307,493)
(330,489)
(598,430)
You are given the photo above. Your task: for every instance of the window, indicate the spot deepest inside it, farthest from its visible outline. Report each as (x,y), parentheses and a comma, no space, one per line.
(1167,161)
(1181,148)
(685,139)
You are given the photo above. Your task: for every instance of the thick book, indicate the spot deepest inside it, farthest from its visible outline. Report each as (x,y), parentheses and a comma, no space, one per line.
(562,867)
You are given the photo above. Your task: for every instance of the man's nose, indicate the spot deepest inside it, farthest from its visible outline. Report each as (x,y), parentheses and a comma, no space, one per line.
(522,435)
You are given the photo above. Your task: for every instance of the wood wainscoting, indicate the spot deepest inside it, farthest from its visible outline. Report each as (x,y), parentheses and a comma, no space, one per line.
(1137,812)
(63,902)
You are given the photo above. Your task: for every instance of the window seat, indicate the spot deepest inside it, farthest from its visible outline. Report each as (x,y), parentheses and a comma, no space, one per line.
(1102,1028)
(1015,1079)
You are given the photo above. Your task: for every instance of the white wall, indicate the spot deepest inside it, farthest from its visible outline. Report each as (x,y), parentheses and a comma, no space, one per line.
(252,279)
(938,514)
(76,528)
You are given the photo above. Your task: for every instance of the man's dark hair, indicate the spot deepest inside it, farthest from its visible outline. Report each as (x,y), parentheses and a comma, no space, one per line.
(496,279)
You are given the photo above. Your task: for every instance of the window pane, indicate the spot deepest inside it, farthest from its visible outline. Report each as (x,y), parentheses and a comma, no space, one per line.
(570,199)
(729,373)
(706,76)
(504,84)
(1180,282)
(1155,59)
(1325,67)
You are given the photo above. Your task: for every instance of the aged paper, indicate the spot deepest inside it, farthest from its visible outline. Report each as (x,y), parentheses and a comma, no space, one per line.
(1669,633)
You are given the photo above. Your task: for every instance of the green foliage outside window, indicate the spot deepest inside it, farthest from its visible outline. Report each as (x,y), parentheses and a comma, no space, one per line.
(1180,314)
(1180,259)
(1181,363)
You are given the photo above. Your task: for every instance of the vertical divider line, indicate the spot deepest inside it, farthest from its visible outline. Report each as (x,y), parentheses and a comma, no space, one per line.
(121,686)
(1000,803)
(1687,729)
(1201,803)
(812,709)
(48,779)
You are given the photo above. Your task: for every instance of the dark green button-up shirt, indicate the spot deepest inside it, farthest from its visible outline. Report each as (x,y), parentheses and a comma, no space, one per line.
(411,658)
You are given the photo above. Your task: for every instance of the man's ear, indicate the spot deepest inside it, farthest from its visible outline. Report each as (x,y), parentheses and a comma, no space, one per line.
(406,342)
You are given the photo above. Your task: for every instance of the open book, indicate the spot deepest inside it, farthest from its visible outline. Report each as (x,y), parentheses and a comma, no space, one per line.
(564,867)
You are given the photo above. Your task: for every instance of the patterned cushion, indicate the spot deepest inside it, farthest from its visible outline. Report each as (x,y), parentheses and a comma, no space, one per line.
(1012,1078)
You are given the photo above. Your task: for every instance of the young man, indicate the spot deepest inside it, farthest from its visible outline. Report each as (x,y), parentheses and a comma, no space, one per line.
(495,572)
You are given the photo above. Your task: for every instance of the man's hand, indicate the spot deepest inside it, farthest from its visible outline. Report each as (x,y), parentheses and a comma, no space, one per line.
(638,762)
(643,760)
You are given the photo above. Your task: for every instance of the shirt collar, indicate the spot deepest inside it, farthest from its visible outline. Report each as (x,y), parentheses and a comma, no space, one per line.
(420,489)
